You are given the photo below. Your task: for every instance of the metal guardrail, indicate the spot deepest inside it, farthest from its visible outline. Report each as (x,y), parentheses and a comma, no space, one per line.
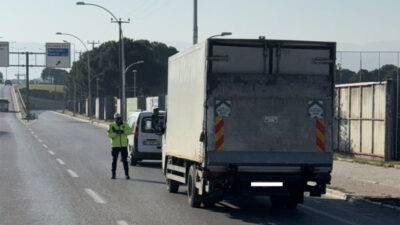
(21,103)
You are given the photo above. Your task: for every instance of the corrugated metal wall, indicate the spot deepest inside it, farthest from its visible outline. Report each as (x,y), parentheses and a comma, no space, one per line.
(364,119)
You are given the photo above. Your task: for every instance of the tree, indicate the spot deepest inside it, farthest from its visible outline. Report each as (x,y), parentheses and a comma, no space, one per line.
(57,74)
(151,76)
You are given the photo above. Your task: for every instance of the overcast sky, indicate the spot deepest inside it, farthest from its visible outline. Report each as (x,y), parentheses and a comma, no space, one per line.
(354,24)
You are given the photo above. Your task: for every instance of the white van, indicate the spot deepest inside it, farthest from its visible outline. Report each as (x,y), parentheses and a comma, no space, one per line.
(144,143)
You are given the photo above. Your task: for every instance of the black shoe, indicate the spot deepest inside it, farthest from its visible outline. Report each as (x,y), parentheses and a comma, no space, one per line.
(113,177)
(128,177)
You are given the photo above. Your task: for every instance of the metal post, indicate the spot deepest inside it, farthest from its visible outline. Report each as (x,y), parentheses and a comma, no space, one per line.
(134,83)
(397,108)
(379,66)
(195,29)
(123,99)
(90,89)
(27,85)
(360,67)
(97,84)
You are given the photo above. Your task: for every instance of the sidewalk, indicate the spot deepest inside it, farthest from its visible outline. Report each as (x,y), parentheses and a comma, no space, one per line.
(83,118)
(366,180)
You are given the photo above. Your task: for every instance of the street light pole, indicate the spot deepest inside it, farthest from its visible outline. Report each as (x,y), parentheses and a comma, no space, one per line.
(195,29)
(88,68)
(114,19)
(221,34)
(127,68)
(134,82)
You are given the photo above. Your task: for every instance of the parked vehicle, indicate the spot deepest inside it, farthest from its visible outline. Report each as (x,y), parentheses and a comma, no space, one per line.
(4,105)
(250,117)
(8,82)
(144,143)
(1,81)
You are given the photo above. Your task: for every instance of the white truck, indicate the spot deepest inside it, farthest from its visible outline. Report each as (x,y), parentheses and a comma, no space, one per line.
(250,117)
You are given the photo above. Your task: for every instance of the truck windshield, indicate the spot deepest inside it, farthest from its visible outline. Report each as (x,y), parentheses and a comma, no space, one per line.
(147,126)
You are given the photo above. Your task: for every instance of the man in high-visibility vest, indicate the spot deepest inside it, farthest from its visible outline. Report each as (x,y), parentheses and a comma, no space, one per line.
(118,132)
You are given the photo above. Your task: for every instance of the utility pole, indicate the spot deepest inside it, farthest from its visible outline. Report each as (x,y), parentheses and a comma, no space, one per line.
(28,105)
(195,29)
(93,43)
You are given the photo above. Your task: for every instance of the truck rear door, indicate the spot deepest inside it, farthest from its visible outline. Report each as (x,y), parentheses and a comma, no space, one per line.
(270,101)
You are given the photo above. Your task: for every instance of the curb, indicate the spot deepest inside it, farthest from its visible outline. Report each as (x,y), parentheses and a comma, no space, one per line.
(353,198)
(97,124)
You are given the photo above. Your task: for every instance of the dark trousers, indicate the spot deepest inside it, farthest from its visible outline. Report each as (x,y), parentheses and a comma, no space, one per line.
(124,155)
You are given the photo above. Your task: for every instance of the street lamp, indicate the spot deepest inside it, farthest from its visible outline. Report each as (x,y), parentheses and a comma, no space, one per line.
(221,34)
(73,81)
(134,74)
(88,65)
(122,53)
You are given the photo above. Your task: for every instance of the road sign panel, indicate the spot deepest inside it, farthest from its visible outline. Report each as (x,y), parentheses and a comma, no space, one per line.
(58,55)
(4,54)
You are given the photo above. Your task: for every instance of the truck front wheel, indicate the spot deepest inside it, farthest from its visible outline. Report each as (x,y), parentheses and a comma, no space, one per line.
(193,196)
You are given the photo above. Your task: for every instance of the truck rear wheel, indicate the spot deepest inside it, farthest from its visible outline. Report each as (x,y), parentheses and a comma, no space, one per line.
(193,197)
(172,186)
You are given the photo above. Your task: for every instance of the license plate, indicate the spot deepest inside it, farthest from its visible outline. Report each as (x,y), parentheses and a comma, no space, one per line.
(151,142)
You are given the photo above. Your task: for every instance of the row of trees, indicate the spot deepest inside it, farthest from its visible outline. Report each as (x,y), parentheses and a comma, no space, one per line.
(104,63)
(386,72)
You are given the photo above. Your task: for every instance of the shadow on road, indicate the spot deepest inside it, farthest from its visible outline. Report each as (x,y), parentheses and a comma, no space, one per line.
(150,164)
(147,181)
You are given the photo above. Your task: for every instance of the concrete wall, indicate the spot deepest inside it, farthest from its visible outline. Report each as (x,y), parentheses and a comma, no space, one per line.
(99,114)
(365,119)
(93,105)
(109,108)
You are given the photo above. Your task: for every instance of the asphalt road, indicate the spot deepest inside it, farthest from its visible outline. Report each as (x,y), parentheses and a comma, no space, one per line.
(56,170)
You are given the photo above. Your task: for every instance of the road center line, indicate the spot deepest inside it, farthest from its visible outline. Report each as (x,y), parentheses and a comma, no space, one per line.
(122,222)
(51,152)
(36,136)
(337,218)
(60,161)
(72,173)
(40,140)
(95,196)
(45,146)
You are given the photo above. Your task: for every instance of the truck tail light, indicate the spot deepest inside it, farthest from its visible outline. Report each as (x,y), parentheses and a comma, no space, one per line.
(135,130)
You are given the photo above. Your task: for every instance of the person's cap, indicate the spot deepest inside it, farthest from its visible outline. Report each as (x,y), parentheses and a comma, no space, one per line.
(117,115)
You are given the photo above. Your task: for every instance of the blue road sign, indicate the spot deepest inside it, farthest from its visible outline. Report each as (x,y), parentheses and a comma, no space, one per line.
(57,52)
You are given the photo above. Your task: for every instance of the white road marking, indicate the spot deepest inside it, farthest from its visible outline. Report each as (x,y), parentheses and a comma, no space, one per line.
(40,140)
(36,136)
(95,196)
(60,161)
(72,173)
(122,222)
(45,146)
(328,215)
(51,152)
(32,132)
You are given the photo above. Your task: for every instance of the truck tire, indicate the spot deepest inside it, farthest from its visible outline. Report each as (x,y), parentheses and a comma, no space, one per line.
(208,203)
(193,196)
(172,186)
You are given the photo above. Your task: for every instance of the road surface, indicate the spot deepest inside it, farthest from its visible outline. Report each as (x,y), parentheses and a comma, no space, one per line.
(56,170)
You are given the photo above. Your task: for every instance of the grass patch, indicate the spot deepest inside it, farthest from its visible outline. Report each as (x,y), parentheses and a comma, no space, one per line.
(363,160)
(47,87)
